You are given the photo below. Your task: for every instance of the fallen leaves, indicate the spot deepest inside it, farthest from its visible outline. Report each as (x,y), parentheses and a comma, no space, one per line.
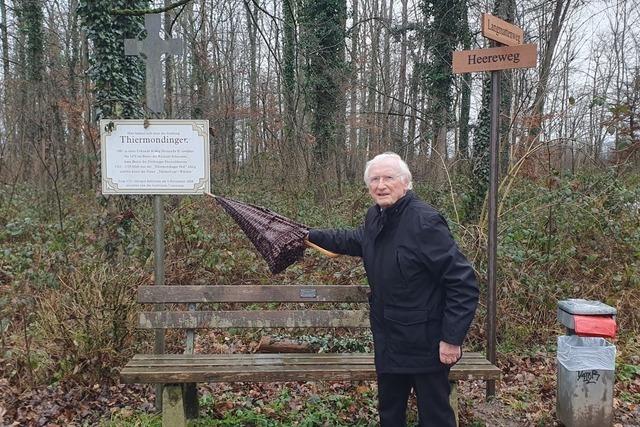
(69,404)
(526,397)
(363,389)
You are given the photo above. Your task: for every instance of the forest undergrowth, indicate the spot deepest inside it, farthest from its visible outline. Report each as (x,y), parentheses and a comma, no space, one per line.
(68,282)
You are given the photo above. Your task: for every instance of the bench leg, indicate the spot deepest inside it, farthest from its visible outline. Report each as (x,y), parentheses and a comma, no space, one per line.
(453,400)
(191,404)
(172,406)
(158,388)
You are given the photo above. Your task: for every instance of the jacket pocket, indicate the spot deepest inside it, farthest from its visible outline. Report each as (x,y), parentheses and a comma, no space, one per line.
(409,264)
(407,330)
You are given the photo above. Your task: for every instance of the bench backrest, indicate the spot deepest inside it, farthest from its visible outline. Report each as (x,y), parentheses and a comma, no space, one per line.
(300,315)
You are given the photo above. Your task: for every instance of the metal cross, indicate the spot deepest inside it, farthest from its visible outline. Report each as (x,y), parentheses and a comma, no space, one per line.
(150,50)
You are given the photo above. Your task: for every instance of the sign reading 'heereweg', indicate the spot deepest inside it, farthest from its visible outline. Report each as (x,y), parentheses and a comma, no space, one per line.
(497,58)
(155,157)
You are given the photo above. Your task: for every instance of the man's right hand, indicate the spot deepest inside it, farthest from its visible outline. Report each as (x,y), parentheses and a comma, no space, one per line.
(449,353)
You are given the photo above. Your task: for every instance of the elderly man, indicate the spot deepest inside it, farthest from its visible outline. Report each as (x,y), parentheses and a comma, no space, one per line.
(423,293)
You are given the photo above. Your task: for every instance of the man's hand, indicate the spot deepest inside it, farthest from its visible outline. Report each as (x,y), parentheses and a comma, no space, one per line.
(449,353)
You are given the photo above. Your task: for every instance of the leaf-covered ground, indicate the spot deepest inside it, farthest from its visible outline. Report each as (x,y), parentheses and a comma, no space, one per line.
(526,397)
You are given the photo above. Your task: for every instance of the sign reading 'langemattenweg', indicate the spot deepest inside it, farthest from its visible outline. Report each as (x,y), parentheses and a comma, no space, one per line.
(155,156)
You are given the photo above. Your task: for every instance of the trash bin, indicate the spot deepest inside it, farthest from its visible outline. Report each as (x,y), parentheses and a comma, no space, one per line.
(586,364)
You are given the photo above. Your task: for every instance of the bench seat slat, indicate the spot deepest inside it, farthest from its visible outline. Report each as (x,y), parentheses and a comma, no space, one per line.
(279,373)
(478,371)
(278,367)
(288,358)
(255,374)
(468,356)
(245,362)
(252,293)
(254,319)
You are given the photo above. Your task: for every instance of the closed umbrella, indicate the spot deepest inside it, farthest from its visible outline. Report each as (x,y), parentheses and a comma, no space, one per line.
(280,240)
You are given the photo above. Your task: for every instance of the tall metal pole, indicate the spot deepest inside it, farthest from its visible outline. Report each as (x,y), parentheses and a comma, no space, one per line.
(493,226)
(158,271)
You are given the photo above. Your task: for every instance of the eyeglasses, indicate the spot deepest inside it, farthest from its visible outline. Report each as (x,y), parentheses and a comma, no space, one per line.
(377,180)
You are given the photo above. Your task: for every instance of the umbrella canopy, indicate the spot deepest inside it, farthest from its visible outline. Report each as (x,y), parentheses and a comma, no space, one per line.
(280,240)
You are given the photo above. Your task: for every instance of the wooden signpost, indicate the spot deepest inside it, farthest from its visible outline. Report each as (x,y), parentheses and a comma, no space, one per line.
(514,55)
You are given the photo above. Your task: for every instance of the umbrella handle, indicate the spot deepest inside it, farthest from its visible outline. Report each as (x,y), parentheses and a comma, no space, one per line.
(321,249)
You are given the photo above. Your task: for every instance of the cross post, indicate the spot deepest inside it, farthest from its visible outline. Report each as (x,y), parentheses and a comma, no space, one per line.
(151,50)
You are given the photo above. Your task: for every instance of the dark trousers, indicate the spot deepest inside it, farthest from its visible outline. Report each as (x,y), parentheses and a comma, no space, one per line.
(432,395)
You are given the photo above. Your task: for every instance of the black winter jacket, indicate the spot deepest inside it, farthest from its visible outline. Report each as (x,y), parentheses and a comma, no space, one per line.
(423,290)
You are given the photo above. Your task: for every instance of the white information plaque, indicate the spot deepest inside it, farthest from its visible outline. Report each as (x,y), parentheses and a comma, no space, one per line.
(155,156)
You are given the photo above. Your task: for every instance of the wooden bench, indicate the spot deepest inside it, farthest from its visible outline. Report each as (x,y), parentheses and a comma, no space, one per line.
(181,372)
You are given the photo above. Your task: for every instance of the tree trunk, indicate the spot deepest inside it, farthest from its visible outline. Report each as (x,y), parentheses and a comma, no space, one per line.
(75,112)
(354,140)
(6,147)
(372,122)
(340,151)
(466,82)
(31,68)
(559,16)
(324,33)
(289,67)
(5,40)
(399,144)
(441,40)
(169,61)
(414,88)
(253,82)
(199,85)
(506,9)
(387,85)
(480,156)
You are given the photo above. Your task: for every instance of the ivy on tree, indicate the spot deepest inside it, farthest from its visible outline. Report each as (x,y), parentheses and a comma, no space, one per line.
(322,41)
(30,17)
(118,79)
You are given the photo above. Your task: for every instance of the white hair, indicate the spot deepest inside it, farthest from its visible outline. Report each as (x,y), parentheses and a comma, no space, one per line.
(401,166)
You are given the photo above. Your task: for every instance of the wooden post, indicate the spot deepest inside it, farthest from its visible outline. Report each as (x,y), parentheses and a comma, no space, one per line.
(190,390)
(493,226)
(158,272)
(151,50)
